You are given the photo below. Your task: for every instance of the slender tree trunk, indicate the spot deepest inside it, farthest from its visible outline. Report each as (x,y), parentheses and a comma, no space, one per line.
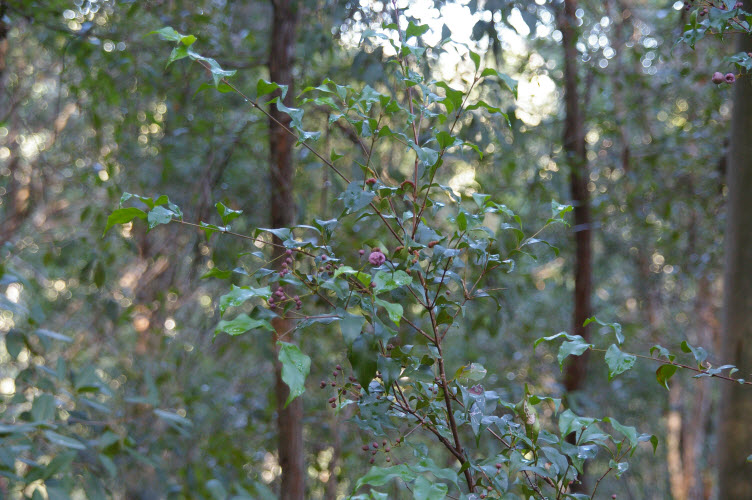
(734,429)
(289,419)
(574,149)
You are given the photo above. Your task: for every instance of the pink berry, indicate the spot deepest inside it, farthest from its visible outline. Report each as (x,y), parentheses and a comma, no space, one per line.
(718,78)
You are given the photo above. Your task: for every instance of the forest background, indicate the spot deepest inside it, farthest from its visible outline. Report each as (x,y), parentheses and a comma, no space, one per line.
(113,382)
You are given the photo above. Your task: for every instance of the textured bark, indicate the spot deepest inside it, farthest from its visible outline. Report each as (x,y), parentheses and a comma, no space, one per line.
(735,431)
(281,143)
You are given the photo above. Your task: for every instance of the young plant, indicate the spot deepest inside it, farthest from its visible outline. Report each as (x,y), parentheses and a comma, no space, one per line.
(425,259)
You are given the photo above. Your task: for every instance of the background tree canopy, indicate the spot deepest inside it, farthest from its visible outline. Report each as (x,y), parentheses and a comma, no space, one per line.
(437,135)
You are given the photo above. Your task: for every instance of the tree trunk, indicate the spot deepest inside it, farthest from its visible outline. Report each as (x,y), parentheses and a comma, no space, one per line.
(734,430)
(281,143)
(574,149)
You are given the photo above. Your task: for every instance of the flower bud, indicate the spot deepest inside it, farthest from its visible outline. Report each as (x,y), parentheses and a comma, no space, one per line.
(376,258)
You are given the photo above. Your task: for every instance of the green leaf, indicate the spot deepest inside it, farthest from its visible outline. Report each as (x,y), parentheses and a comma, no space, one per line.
(177,53)
(60,440)
(241,324)
(168,33)
(295,369)
(15,341)
(461,221)
(53,335)
(355,198)
(173,418)
(389,280)
(618,361)
(447,140)
(453,99)
(43,408)
(238,295)
(476,60)
(264,87)
(123,216)
(699,353)
(558,210)
(629,432)
(510,82)
(390,370)
(423,489)
(210,229)
(415,30)
(574,346)
(486,106)
(662,351)
(188,40)
(379,476)
(362,357)
(615,327)
(143,199)
(227,214)
(216,272)
(216,489)
(473,371)
(216,70)
(664,373)
(351,326)
(393,310)
(160,215)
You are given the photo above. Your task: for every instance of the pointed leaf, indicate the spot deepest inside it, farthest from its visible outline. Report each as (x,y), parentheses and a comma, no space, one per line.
(295,369)
(618,361)
(241,324)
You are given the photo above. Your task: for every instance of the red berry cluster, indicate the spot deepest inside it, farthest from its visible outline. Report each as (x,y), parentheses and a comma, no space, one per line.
(352,385)
(374,449)
(719,78)
(280,296)
(287,264)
